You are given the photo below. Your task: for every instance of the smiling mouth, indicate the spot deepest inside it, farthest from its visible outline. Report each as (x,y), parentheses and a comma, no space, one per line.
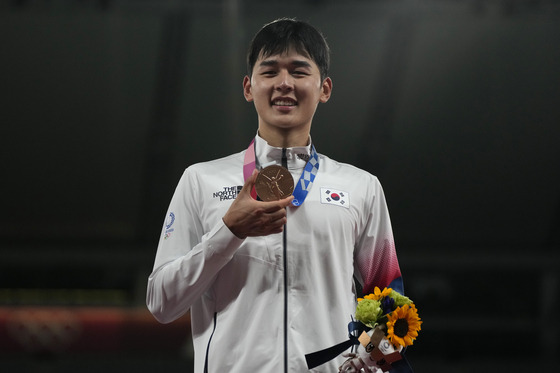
(284,103)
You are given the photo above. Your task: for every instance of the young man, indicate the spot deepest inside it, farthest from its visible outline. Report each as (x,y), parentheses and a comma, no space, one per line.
(268,282)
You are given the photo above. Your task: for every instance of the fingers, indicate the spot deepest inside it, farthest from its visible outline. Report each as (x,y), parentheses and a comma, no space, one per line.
(263,226)
(248,217)
(267,218)
(286,201)
(274,220)
(276,205)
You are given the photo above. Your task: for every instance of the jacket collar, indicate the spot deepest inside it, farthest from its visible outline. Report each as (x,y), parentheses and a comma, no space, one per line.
(267,155)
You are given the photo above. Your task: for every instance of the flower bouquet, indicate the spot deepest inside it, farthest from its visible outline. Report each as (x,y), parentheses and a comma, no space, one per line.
(394,324)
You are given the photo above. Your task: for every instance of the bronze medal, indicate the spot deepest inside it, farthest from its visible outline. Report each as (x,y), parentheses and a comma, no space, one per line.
(274,183)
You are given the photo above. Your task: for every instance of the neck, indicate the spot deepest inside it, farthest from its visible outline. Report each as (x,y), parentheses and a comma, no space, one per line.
(284,138)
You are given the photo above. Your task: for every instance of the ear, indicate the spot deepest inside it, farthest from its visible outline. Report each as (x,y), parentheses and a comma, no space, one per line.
(247,88)
(326,90)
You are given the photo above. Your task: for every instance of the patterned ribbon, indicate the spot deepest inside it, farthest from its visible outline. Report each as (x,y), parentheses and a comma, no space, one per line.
(304,183)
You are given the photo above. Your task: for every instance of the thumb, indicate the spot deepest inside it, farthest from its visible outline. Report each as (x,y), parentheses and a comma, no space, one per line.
(249,184)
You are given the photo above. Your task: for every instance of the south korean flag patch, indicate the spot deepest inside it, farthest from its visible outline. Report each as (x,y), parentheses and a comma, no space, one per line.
(336,197)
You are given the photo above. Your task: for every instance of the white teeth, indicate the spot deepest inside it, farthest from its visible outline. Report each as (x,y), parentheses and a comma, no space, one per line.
(284,103)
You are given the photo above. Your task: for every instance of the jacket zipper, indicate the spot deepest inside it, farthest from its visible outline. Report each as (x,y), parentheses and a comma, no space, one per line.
(285,254)
(209,341)
(285,303)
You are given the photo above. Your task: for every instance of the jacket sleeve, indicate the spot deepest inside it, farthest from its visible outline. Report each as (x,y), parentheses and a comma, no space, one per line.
(187,258)
(375,256)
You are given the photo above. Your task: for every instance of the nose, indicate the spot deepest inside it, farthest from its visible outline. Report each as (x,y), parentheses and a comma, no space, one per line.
(284,82)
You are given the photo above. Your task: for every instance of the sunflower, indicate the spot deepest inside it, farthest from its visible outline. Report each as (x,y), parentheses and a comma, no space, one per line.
(403,325)
(377,294)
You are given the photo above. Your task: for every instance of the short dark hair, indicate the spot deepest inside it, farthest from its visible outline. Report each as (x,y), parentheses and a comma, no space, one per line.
(278,36)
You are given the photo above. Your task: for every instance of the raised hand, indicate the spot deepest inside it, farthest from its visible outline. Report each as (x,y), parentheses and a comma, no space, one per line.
(247,217)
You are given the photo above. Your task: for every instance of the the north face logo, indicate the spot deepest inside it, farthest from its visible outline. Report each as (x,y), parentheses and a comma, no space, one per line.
(228,193)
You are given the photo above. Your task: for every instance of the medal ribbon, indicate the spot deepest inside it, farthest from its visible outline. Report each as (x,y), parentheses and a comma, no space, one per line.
(249,165)
(304,183)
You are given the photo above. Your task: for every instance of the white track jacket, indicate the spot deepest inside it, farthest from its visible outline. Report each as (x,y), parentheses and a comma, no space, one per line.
(244,318)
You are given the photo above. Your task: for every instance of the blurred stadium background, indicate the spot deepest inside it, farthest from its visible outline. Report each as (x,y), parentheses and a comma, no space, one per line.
(453,104)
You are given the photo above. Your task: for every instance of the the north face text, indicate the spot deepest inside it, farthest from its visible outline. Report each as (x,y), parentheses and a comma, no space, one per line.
(228,192)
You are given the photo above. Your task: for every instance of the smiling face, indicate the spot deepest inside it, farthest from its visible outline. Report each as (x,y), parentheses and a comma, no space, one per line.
(286,89)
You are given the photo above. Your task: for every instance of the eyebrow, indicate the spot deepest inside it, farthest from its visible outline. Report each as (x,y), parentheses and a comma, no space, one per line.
(297,63)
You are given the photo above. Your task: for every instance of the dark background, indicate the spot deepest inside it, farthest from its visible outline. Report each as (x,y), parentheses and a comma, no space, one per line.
(454,105)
